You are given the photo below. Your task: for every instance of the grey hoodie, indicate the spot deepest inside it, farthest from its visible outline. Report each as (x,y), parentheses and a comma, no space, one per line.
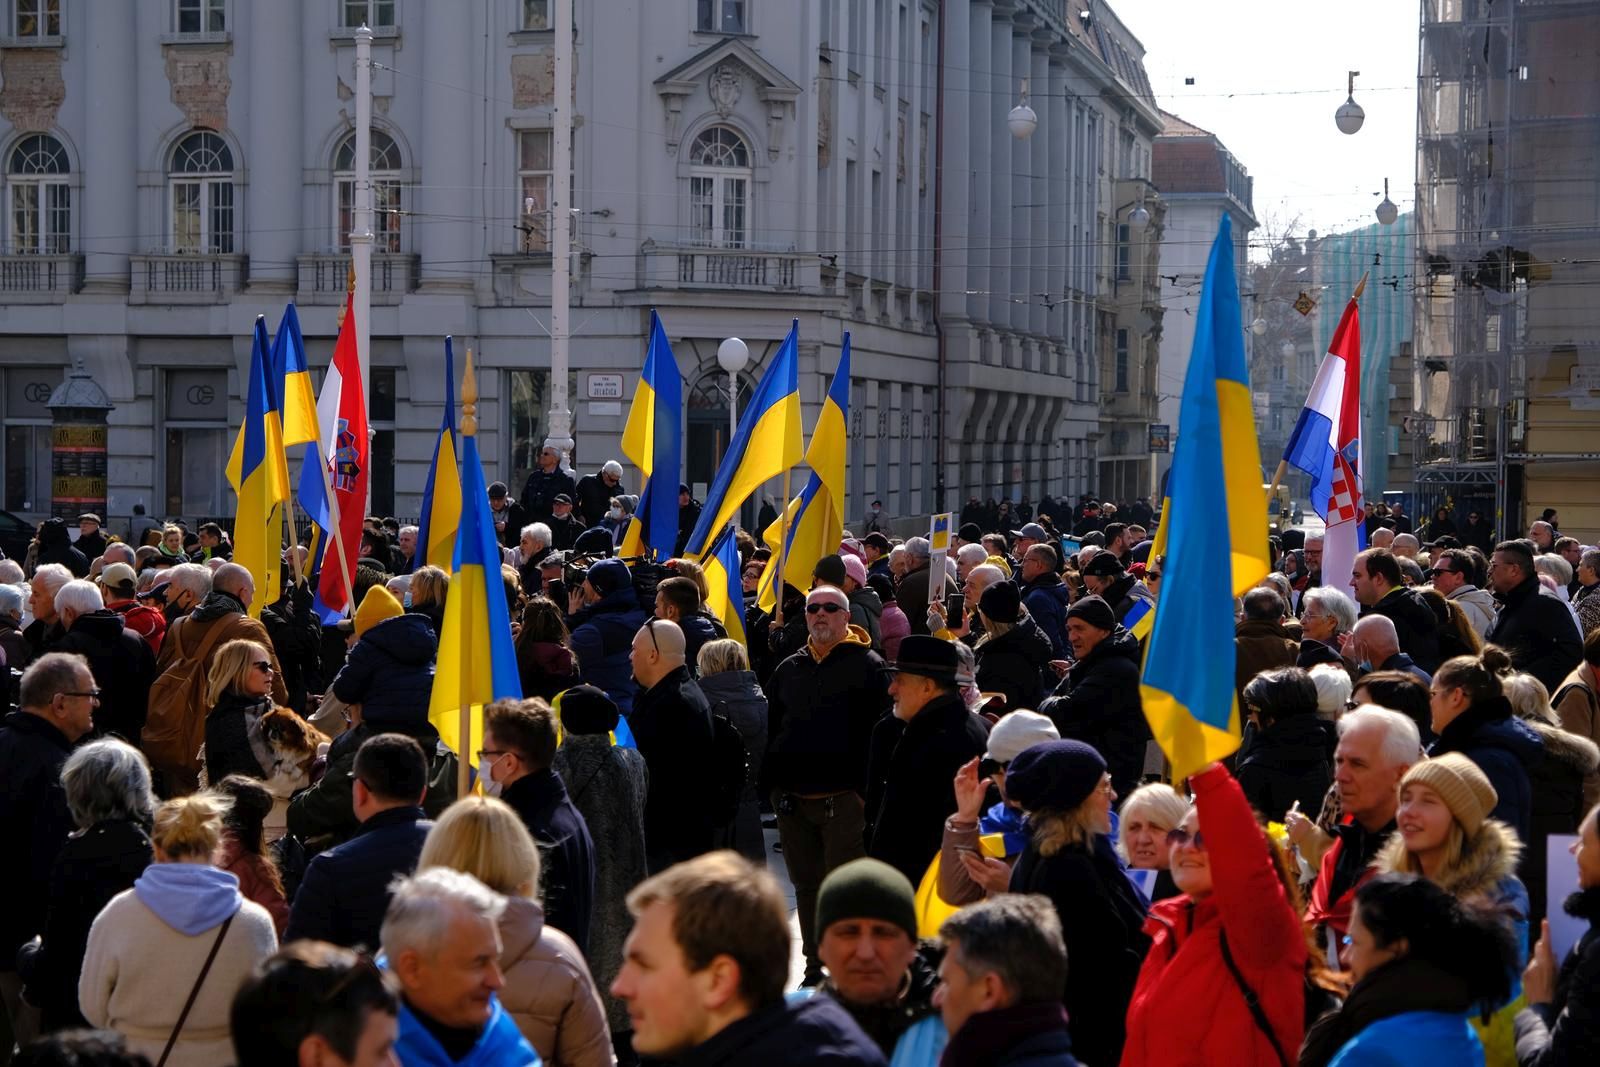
(865,611)
(1478,604)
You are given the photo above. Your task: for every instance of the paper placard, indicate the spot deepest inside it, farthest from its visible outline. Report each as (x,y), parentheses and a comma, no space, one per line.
(1562,871)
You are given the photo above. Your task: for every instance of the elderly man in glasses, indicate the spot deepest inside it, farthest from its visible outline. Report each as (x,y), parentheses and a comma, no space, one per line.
(822,704)
(671,723)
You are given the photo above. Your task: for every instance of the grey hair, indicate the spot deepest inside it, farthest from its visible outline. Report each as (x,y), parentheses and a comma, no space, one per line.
(50,675)
(422,905)
(146,580)
(1590,559)
(1529,698)
(966,662)
(989,574)
(1280,581)
(117,552)
(973,552)
(539,532)
(1156,799)
(1016,936)
(1555,566)
(897,552)
(413,530)
(1333,688)
(1402,744)
(52,576)
(193,578)
(108,779)
(611,467)
(81,596)
(11,572)
(11,600)
(918,547)
(1335,603)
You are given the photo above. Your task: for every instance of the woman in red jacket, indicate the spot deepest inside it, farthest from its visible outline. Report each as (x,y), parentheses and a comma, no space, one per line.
(1235,926)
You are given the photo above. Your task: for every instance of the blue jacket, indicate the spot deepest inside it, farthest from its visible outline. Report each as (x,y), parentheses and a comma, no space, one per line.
(1439,1039)
(602,634)
(1505,750)
(502,1044)
(698,630)
(346,889)
(1046,598)
(389,671)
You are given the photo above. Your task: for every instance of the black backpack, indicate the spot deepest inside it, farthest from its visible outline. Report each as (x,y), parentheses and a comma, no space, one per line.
(729,770)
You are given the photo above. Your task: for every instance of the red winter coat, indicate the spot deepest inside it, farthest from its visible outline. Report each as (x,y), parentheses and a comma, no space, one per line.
(1187,1009)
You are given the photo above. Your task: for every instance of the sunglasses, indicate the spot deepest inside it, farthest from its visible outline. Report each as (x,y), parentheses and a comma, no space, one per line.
(262,665)
(1178,837)
(829,606)
(1152,576)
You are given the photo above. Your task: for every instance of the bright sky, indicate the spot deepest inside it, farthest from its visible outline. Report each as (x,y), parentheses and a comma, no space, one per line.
(1268,76)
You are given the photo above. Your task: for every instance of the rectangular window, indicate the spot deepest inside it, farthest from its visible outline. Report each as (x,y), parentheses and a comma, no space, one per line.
(202,217)
(186,216)
(201,16)
(219,205)
(387,212)
(533,177)
(536,14)
(1122,361)
(36,18)
(41,218)
(382,459)
(1124,254)
(374,13)
(198,439)
(717,211)
(27,437)
(529,406)
(721,16)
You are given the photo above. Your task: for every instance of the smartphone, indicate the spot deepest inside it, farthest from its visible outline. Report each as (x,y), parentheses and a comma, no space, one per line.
(955,607)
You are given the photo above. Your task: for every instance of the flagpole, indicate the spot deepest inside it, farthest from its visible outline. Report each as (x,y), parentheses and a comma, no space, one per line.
(337,533)
(1283,464)
(469,428)
(783,547)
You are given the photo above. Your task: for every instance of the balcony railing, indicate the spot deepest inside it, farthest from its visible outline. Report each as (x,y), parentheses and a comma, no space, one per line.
(697,267)
(324,276)
(186,278)
(36,279)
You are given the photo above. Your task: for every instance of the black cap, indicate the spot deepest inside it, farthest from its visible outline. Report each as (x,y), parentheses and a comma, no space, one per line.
(927,656)
(970,532)
(1092,610)
(595,542)
(830,569)
(877,541)
(1104,565)
(497,490)
(1001,602)
(585,709)
(562,498)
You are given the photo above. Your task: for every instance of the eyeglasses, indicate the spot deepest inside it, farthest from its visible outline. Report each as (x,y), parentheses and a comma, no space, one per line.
(829,606)
(492,753)
(92,694)
(1177,837)
(263,665)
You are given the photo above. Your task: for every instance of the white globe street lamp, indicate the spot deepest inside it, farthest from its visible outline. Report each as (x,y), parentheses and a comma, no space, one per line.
(1387,211)
(1023,120)
(1350,115)
(732,356)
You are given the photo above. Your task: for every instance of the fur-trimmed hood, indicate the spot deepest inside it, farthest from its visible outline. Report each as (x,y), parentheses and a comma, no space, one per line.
(1564,746)
(1487,860)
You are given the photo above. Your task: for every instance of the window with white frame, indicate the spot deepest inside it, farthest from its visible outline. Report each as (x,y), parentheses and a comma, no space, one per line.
(200,17)
(533,178)
(201,183)
(535,14)
(39,197)
(35,19)
(719,189)
(378,14)
(26,445)
(387,192)
(722,16)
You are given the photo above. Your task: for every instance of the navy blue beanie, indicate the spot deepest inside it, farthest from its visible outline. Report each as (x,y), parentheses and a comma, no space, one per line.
(1058,775)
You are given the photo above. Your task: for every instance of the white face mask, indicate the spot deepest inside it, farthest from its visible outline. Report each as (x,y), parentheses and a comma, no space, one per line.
(615,513)
(491,787)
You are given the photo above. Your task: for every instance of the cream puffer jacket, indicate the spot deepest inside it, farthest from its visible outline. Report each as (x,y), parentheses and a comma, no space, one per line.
(549,991)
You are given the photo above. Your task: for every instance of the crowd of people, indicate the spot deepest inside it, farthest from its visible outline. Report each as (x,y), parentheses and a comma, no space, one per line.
(242,839)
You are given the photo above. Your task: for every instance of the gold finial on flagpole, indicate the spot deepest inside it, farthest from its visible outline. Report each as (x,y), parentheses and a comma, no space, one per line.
(1360,287)
(469,400)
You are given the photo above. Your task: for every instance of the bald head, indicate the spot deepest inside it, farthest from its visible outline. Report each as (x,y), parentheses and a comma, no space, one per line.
(1382,537)
(658,650)
(1376,638)
(118,553)
(235,580)
(1405,545)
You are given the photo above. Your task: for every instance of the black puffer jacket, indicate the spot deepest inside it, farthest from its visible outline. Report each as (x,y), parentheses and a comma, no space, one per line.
(389,672)
(1557,783)
(34,824)
(1098,703)
(1537,631)
(228,729)
(1010,665)
(1291,760)
(820,718)
(123,667)
(1414,623)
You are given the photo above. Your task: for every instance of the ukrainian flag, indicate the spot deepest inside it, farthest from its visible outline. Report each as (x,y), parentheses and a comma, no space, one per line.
(653,441)
(477,663)
(1216,512)
(293,382)
(816,517)
(441,496)
(723,575)
(259,475)
(767,443)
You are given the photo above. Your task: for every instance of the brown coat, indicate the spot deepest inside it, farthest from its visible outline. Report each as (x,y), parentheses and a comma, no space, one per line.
(1579,712)
(549,992)
(1261,646)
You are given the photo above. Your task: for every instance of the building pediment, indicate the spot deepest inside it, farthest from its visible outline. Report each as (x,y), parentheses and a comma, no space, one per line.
(727,71)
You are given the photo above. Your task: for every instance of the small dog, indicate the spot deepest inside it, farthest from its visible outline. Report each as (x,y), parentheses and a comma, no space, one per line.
(285,745)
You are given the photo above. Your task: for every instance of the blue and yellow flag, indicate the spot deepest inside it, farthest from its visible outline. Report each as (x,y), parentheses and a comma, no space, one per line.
(1215,512)
(441,496)
(723,574)
(477,662)
(653,441)
(259,475)
(292,382)
(815,517)
(767,443)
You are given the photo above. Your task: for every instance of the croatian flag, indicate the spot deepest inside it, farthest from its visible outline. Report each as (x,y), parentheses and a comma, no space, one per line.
(1326,444)
(343,453)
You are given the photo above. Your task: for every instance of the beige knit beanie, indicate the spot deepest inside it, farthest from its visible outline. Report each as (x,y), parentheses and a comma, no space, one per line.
(1460,784)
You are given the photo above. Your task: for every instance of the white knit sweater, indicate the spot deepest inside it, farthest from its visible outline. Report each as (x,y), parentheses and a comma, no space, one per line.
(138,972)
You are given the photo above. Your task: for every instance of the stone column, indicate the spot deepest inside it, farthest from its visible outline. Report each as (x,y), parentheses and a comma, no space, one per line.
(997,105)
(1039,198)
(108,210)
(446,151)
(1023,154)
(1057,229)
(273,148)
(968,155)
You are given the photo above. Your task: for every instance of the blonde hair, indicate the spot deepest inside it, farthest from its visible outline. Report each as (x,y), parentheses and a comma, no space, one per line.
(232,662)
(688,568)
(1158,802)
(1055,830)
(1529,698)
(721,656)
(189,826)
(483,837)
(429,585)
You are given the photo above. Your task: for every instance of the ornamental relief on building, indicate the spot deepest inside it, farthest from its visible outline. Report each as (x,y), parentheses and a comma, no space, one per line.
(533,78)
(33,88)
(198,75)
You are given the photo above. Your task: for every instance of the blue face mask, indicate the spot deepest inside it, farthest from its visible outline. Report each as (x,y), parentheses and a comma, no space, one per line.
(1365,665)
(406,600)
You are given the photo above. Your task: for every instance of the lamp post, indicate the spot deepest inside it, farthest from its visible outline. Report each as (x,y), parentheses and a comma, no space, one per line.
(1387,211)
(732,356)
(1350,115)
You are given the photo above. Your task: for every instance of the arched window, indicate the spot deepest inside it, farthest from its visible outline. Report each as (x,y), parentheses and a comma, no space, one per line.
(384,159)
(201,180)
(39,197)
(719,189)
